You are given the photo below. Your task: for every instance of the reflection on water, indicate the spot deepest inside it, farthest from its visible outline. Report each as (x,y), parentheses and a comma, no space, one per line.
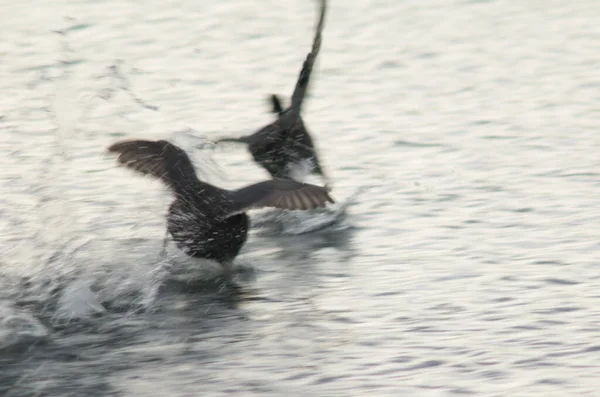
(461,257)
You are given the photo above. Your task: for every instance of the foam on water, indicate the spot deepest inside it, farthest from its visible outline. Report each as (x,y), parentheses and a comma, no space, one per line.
(302,222)
(19,328)
(78,278)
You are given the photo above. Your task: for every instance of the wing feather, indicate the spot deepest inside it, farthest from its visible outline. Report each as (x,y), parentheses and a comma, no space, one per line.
(159,159)
(279,193)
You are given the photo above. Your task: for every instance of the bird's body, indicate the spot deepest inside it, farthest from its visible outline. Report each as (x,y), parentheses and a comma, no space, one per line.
(206,221)
(282,154)
(284,144)
(200,228)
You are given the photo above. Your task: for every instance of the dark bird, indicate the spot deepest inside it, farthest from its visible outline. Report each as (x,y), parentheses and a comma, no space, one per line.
(284,147)
(206,221)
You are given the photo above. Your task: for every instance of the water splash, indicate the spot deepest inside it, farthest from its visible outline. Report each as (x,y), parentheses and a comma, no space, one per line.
(206,166)
(292,223)
(19,328)
(78,301)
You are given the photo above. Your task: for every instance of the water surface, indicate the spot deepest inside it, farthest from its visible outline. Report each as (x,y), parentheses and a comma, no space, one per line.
(462,138)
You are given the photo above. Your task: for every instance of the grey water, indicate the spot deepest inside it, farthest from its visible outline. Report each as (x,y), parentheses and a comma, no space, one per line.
(462,257)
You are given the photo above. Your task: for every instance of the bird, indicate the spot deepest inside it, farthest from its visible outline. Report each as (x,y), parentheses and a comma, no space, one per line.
(284,148)
(206,221)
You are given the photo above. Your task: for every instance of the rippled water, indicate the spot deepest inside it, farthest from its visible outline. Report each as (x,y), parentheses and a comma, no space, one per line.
(464,256)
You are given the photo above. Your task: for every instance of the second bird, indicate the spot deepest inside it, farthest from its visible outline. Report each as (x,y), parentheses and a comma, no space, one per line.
(284,147)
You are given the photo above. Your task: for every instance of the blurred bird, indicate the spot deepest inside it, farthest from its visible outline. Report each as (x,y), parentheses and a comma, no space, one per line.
(284,147)
(206,221)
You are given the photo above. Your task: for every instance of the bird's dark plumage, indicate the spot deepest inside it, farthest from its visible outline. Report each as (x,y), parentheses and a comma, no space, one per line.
(276,102)
(206,221)
(285,143)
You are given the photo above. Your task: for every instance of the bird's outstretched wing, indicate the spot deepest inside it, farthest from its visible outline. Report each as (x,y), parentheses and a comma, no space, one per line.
(289,117)
(160,159)
(279,193)
(304,77)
